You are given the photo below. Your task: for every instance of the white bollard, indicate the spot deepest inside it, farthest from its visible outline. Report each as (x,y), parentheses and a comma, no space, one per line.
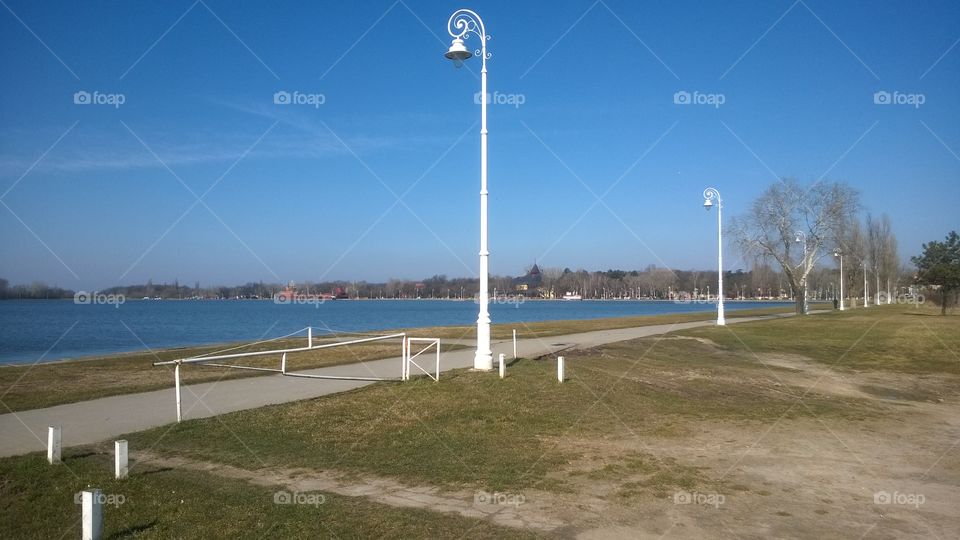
(560,368)
(120,468)
(283,363)
(53,444)
(309,336)
(514,343)
(176,380)
(503,365)
(92,514)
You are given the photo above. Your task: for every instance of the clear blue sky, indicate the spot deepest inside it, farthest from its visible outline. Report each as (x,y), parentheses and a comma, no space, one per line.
(95,195)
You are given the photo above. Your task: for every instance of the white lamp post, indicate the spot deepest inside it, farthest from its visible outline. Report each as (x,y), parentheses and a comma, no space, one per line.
(708,195)
(462,23)
(839,254)
(802,238)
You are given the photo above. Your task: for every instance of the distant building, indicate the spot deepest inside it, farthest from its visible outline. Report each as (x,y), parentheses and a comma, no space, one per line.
(529,285)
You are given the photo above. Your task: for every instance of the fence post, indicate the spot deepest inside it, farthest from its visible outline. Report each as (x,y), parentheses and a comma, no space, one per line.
(560,368)
(92,514)
(176,379)
(438,361)
(120,468)
(503,365)
(514,343)
(53,444)
(309,336)
(283,363)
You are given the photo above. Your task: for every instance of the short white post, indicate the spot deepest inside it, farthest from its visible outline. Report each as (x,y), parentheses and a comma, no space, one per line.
(403,356)
(560,368)
(53,444)
(503,365)
(514,343)
(92,514)
(283,363)
(176,379)
(438,361)
(120,468)
(309,336)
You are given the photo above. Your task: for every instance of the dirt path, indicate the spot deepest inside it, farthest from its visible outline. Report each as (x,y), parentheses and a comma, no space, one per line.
(893,476)
(498,508)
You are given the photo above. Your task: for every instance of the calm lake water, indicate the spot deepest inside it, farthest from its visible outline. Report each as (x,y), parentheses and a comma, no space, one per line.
(44,330)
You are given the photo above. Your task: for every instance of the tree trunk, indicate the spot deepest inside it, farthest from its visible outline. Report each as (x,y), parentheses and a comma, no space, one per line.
(798,301)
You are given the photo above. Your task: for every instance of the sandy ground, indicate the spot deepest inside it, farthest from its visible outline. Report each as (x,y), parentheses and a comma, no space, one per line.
(895,476)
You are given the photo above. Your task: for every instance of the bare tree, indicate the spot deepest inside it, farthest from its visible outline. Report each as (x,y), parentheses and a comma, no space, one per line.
(791,224)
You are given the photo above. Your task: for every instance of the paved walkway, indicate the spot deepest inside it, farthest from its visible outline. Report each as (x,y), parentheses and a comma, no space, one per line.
(105,418)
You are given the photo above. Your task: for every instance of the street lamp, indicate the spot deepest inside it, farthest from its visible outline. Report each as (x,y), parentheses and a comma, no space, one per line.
(802,237)
(709,195)
(839,254)
(462,23)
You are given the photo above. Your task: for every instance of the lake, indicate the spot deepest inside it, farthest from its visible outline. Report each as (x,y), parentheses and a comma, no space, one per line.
(45,330)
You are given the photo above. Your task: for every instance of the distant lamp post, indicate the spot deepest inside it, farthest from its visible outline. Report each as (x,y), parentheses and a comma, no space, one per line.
(709,195)
(462,23)
(839,254)
(801,237)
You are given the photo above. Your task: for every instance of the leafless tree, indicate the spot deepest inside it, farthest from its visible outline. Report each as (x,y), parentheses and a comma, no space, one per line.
(769,229)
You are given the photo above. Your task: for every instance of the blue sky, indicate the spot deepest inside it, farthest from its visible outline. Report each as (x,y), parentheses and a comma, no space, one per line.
(100,194)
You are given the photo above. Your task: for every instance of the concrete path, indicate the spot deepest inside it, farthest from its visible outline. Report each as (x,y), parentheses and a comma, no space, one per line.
(105,418)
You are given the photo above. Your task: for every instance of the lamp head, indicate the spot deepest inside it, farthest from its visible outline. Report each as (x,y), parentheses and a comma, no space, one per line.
(458,52)
(707,204)
(837,252)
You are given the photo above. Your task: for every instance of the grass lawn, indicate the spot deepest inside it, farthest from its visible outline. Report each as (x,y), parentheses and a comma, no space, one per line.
(893,338)
(43,385)
(530,434)
(448,433)
(38,502)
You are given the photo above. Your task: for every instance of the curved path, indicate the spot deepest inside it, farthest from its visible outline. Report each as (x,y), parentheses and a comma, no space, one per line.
(105,418)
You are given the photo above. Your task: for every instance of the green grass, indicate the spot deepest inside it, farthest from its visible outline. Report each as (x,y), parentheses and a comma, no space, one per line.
(24,387)
(477,431)
(38,501)
(887,338)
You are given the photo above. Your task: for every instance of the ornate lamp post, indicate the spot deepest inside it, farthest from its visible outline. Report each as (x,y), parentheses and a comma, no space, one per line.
(839,254)
(801,237)
(709,195)
(462,23)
